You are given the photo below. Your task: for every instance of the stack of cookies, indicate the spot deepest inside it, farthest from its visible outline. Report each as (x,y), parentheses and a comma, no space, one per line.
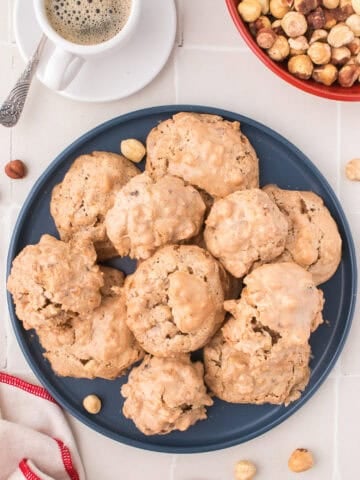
(223,266)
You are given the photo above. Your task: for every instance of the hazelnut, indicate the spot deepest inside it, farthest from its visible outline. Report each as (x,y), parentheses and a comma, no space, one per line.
(266,38)
(301,66)
(342,13)
(340,35)
(352,169)
(357,61)
(316,19)
(344,3)
(356,6)
(279,8)
(330,20)
(340,55)
(250,10)
(133,150)
(320,53)
(348,75)
(244,470)
(306,6)
(318,35)
(265,6)
(353,22)
(276,26)
(330,3)
(354,46)
(92,404)
(326,74)
(294,24)
(262,22)
(15,169)
(280,49)
(301,460)
(298,45)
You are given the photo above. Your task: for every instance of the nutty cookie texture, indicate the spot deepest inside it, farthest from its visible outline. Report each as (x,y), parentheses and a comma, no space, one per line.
(148,214)
(97,344)
(80,202)
(262,353)
(53,281)
(165,394)
(313,241)
(175,300)
(243,228)
(205,150)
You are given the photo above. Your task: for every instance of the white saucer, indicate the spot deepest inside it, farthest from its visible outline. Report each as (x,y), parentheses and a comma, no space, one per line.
(121,73)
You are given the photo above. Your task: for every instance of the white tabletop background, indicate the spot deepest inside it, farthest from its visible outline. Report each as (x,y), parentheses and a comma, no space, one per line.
(210,65)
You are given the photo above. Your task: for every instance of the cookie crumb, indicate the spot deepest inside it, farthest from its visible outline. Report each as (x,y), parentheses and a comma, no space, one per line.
(352,169)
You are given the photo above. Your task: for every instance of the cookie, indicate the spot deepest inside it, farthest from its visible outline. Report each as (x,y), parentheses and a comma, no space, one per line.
(53,281)
(262,353)
(148,214)
(313,241)
(175,300)
(243,228)
(98,344)
(205,150)
(165,394)
(80,202)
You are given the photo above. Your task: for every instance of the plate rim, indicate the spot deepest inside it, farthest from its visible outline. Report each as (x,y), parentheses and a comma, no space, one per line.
(18,329)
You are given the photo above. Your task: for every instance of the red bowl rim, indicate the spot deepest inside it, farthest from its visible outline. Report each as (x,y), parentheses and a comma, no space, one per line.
(309,86)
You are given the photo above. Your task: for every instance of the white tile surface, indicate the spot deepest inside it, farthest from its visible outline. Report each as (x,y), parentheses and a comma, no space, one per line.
(211,66)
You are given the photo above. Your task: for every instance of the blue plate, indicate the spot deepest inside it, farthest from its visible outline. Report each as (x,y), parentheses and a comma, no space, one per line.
(228,424)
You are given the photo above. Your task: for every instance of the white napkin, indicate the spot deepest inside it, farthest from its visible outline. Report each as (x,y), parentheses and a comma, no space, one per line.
(35,440)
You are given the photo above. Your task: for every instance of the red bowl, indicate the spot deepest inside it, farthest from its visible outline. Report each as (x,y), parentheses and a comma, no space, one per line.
(335,92)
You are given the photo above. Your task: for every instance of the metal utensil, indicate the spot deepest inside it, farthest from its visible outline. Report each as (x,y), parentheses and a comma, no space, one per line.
(11,109)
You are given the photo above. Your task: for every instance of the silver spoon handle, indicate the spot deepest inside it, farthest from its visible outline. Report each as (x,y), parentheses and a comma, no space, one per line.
(11,109)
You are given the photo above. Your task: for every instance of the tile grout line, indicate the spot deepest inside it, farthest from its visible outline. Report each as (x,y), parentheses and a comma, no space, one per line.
(216,48)
(173,466)
(336,473)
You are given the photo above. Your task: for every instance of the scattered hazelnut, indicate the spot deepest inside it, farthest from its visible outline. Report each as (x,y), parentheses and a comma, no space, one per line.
(266,38)
(356,6)
(348,75)
(301,460)
(320,53)
(330,20)
(244,470)
(301,66)
(133,150)
(316,19)
(340,55)
(15,169)
(326,74)
(92,404)
(340,35)
(298,45)
(294,24)
(280,49)
(330,3)
(354,46)
(306,6)
(319,35)
(279,8)
(250,10)
(353,22)
(352,169)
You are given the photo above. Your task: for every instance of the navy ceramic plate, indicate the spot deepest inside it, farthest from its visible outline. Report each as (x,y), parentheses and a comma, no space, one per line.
(228,424)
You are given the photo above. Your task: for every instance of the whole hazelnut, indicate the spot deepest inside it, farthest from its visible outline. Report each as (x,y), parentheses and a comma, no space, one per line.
(262,22)
(330,20)
(356,6)
(301,460)
(320,53)
(250,10)
(132,149)
(340,35)
(265,38)
(280,49)
(326,74)
(348,75)
(316,19)
(342,13)
(265,6)
(294,24)
(298,45)
(279,8)
(301,66)
(352,169)
(92,404)
(340,55)
(353,22)
(276,26)
(15,169)
(330,3)
(354,46)
(306,6)
(244,470)
(319,35)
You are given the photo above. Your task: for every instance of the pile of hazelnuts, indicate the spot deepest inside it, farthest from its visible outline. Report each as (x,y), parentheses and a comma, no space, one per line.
(318,39)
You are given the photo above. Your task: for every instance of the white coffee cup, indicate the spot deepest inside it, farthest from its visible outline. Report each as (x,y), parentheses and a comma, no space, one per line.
(68,57)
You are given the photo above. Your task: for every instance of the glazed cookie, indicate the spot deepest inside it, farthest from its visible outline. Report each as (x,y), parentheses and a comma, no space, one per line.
(148,214)
(165,394)
(204,150)
(313,241)
(98,344)
(243,228)
(175,300)
(54,281)
(262,353)
(80,202)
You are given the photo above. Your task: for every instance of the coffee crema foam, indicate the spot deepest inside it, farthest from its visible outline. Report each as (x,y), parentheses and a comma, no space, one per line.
(87,22)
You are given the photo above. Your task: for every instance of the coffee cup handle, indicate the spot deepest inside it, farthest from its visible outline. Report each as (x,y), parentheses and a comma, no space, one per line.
(62,67)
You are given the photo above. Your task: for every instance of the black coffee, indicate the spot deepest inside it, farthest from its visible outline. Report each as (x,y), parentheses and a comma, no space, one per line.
(87,22)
